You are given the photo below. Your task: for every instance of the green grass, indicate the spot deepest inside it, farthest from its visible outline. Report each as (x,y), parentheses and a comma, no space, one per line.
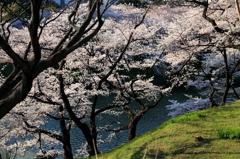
(230,133)
(218,129)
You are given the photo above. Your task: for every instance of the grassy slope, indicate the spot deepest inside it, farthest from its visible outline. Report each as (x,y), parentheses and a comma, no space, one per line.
(176,138)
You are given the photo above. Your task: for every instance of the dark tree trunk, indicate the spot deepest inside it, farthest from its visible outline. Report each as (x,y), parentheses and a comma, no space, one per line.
(67,149)
(93,124)
(132,127)
(213,103)
(66,136)
(91,139)
(82,126)
(90,3)
(0,15)
(131,131)
(134,119)
(228,78)
(32,66)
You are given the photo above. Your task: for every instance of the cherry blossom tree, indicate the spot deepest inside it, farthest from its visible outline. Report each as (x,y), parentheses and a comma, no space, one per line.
(81,60)
(30,55)
(94,70)
(212,42)
(33,58)
(95,73)
(122,60)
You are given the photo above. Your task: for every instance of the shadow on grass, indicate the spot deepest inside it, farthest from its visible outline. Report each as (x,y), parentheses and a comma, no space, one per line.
(149,153)
(199,132)
(139,154)
(204,143)
(198,144)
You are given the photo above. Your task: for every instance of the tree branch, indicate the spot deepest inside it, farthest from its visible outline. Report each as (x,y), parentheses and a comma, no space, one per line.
(204,15)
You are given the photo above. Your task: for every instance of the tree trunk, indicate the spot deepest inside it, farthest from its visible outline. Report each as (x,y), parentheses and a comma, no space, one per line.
(67,149)
(213,103)
(91,145)
(90,4)
(0,20)
(66,136)
(131,131)
(228,78)
(93,136)
(35,64)
(237,9)
(132,127)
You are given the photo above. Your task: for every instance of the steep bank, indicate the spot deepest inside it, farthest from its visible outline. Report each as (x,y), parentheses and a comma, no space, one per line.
(194,135)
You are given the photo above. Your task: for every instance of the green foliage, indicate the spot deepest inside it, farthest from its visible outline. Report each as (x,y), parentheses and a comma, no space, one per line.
(13,10)
(51,5)
(136,3)
(158,2)
(231,133)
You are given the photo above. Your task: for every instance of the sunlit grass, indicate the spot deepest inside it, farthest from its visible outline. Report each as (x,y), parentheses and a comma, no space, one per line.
(211,133)
(229,133)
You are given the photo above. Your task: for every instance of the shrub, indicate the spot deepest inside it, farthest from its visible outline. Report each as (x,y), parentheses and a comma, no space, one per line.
(229,133)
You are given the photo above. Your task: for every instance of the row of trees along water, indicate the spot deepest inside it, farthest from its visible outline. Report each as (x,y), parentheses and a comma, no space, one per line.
(62,63)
